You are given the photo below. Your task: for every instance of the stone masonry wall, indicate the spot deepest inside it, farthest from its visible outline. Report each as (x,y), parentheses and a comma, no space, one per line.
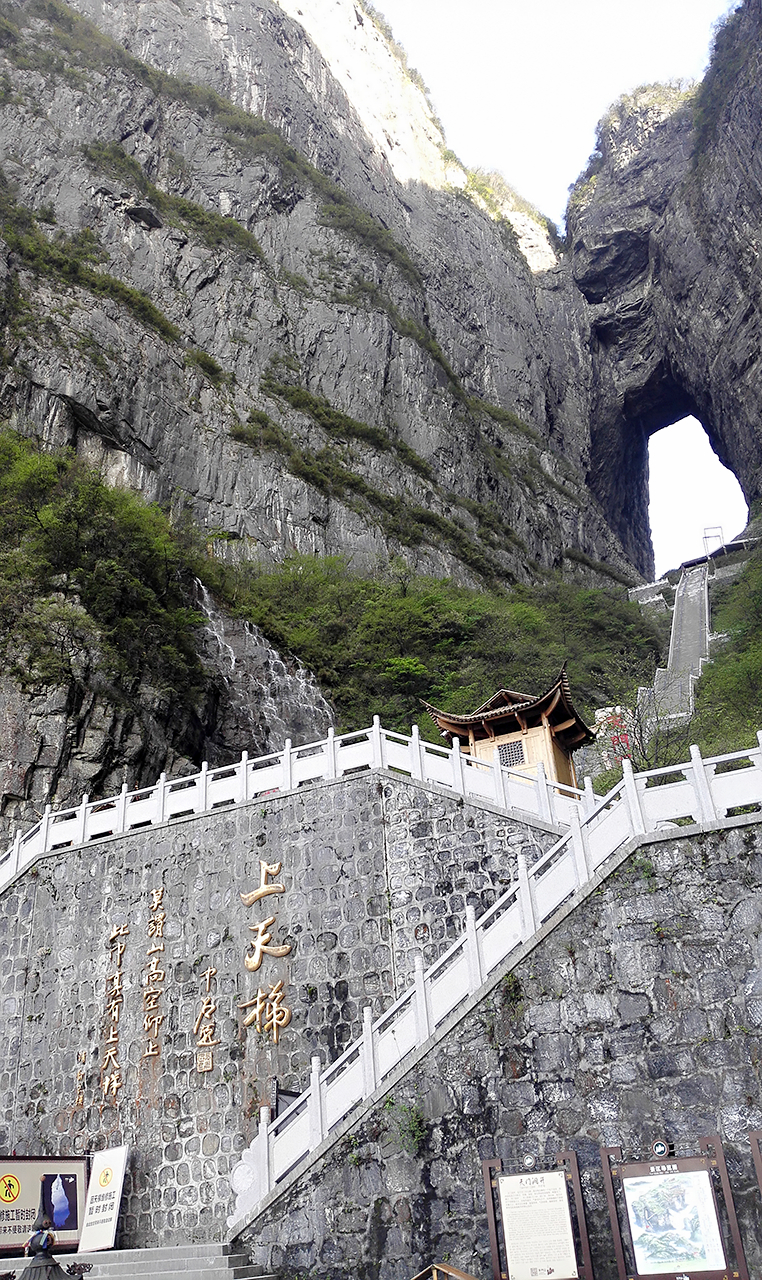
(365,863)
(639,1017)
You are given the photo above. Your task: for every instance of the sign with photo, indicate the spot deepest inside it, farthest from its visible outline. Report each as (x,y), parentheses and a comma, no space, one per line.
(46,1186)
(104,1194)
(537,1226)
(673,1222)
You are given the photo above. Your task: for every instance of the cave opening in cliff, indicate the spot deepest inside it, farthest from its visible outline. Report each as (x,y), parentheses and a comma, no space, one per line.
(694,501)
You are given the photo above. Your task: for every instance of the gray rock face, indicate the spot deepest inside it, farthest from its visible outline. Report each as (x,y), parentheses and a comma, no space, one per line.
(363,304)
(664,241)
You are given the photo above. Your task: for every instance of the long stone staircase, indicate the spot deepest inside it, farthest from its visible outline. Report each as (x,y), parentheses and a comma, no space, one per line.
(179,1262)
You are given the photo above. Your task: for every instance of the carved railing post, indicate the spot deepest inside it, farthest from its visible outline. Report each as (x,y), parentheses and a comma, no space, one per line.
(244,767)
(702,787)
(637,822)
(457,766)
(526,902)
(287,781)
(315,1105)
(422,1011)
(473,955)
(544,802)
(368,1051)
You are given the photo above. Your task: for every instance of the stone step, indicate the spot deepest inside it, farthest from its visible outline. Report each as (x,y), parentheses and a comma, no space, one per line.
(178,1262)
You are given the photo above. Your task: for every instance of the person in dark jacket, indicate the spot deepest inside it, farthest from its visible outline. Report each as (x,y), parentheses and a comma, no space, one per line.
(43,1265)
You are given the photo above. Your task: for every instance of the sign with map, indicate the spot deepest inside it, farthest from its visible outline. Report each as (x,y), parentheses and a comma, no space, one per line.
(43,1186)
(539,1241)
(673,1222)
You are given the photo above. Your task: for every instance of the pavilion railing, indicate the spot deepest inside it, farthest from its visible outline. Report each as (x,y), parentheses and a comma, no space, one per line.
(248,779)
(700,792)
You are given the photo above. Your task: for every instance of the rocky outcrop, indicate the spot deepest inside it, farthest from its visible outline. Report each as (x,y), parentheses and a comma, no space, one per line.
(402,306)
(90,736)
(664,232)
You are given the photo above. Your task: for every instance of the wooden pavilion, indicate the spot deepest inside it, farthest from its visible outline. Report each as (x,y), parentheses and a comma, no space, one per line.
(522,729)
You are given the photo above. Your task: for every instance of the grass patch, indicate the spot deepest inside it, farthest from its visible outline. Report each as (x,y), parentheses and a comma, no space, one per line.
(597,566)
(206,363)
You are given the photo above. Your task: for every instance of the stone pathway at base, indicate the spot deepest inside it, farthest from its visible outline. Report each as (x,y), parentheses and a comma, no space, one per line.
(180,1262)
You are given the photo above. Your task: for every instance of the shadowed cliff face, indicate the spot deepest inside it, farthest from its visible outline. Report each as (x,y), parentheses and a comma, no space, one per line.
(665,237)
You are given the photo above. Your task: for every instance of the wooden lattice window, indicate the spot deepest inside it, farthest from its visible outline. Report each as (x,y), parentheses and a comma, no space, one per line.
(511,753)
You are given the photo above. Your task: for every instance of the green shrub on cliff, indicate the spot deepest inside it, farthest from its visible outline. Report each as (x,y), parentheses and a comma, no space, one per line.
(91,578)
(729,693)
(379,644)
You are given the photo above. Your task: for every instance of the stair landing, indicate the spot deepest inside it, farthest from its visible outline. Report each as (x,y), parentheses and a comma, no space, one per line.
(173,1262)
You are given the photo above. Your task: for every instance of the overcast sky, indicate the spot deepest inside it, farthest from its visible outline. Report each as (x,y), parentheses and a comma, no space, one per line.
(519,87)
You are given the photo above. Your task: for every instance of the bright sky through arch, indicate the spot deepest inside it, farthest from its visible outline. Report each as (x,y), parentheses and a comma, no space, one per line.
(520,88)
(690,492)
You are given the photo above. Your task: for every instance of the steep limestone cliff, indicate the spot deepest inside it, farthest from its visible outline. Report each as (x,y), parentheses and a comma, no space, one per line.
(664,230)
(241,273)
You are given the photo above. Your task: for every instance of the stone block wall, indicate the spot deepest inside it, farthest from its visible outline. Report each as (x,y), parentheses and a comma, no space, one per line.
(637,1018)
(125,959)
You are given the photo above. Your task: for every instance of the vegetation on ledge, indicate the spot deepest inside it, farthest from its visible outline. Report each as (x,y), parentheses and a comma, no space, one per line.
(93,581)
(73,261)
(378,645)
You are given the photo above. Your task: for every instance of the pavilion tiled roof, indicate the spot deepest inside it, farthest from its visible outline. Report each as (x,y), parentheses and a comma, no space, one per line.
(556,703)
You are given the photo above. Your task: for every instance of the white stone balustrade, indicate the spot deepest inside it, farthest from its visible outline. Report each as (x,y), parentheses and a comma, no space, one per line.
(334,757)
(700,792)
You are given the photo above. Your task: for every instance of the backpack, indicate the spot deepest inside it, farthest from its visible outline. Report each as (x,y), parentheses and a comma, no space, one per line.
(39,1242)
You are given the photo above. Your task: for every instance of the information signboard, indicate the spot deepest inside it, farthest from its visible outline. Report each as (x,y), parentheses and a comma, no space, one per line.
(104,1194)
(673,1221)
(537,1226)
(48,1183)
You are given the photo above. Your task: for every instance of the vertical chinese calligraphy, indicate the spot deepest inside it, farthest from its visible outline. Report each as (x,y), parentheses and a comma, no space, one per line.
(153,1016)
(205,1027)
(267,1011)
(111,1072)
(79,1100)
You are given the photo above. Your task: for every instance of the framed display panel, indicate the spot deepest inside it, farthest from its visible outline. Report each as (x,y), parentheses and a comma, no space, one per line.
(669,1209)
(52,1186)
(755,1138)
(537,1222)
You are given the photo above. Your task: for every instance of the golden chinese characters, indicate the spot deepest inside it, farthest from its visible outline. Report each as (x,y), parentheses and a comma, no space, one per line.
(155,973)
(267,1010)
(111,1072)
(205,1027)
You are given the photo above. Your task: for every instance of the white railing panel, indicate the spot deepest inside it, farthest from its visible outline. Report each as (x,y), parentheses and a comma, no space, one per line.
(500,938)
(563,807)
(264,780)
(521,793)
(353,755)
(664,804)
(101,820)
(397,754)
(290,1143)
(395,1039)
(479,782)
(141,808)
(438,768)
(307,765)
(342,1091)
(555,885)
(64,828)
(448,987)
(732,790)
(607,830)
